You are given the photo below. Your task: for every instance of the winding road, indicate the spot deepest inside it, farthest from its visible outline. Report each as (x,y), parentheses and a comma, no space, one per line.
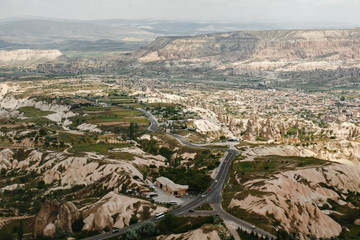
(213,195)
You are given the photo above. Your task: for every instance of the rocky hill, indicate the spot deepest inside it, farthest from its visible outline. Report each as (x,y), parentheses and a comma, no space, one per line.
(27,56)
(267,50)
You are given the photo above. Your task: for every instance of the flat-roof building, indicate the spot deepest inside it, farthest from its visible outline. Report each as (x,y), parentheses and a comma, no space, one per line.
(171,187)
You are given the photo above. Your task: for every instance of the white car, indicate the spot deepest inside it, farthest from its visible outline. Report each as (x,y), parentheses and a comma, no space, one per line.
(253,227)
(216,181)
(203,196)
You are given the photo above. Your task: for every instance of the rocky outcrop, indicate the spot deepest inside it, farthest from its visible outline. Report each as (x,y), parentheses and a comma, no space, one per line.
(60,115)
(207,231)
(346,152)
(6,158)
(55,219)
(89,127)
(27,56)
(237,45)
(294,198)
(115,210)
(62,170)
(266,50)
(9,106)
(345,130)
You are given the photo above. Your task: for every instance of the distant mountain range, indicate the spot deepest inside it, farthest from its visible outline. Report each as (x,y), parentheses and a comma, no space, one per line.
(105,35)
(288,50)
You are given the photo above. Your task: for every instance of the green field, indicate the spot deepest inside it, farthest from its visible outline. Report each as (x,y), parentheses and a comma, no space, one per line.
(98,115)
(32,112)
(102,148)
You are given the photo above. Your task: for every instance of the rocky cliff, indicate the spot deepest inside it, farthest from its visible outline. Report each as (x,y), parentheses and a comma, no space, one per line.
(207,231)
(55,219)
(27,56)
(305,199)
(297,198)
(268,50)
(115,211)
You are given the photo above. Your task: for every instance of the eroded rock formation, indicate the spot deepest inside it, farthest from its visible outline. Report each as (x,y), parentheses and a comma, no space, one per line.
(55,219)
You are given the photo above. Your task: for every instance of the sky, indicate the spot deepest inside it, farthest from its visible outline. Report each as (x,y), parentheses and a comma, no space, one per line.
(262,11)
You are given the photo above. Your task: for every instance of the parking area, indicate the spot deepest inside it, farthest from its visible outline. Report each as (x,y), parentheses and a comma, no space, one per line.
(165,197)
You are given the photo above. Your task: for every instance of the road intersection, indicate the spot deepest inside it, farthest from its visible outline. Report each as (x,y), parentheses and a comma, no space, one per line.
(212,195)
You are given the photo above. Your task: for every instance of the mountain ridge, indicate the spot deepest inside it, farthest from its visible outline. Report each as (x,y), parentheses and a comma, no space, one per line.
(265,50)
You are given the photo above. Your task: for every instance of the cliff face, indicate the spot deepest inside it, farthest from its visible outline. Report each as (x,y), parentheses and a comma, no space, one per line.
(115,211)
(284,49)
(55,218)
(237,45)
(301,200)
(295,198)
(27,56)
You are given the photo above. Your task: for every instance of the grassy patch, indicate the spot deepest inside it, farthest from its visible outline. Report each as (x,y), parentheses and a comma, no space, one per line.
(274,163)
(102,148)
(176,225)
(33,112)
(113,119)
(204,207)
(122,155)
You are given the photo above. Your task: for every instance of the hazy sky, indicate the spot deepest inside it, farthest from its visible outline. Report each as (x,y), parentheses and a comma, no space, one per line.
(346,11)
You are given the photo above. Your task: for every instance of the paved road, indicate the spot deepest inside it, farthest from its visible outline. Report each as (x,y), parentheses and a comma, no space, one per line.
(213,195)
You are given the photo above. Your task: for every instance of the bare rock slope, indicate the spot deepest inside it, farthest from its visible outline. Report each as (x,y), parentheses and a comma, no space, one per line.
(115,210)
(283,49)
(55,217)
(28,56)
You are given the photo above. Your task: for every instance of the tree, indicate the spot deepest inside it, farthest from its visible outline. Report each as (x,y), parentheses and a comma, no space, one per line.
(78,225)
(342,98)
(131,130)
(21,230)
(217,219)
(146,229)
(6,235)
(131,235)
(133,220)
(41,184)
(166,153)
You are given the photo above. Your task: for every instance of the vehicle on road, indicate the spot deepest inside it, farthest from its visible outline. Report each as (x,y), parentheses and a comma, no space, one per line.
(203,196)
(159,215)
(216,181)
(191,210)
(253,227)
(174,202)
(115,230)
